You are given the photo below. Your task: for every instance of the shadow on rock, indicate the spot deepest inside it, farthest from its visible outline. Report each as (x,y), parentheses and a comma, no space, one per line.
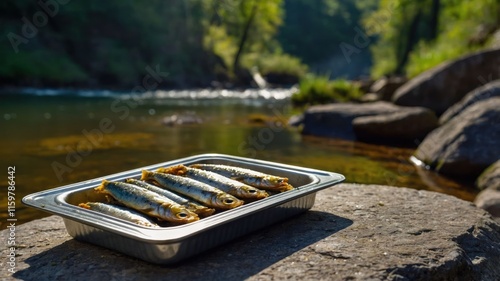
(236,260)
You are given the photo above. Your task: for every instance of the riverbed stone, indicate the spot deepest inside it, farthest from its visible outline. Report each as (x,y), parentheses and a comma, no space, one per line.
(386,86)
(409,124)
(353,232)
(490,178)
(187,118)
(487,91)
(441,87)
(296,120)
(369,97)
(467,144)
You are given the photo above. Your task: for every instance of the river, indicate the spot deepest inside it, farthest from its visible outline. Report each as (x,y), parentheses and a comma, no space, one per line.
(58,137)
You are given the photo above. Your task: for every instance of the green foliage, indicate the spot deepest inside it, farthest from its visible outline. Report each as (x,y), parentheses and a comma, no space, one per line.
(427,56)
(50,66)
(112,42)
(220,44)
(463,25)
(283,66)
(414,36)
(321,90)
(313,30)
(313,90)
(109,44)
(239,28)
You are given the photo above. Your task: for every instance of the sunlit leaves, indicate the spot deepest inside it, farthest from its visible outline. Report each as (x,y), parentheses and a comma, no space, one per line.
(459,24)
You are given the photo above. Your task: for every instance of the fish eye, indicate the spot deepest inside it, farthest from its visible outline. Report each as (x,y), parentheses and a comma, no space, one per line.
(182,215)
(252,191)
(228,201)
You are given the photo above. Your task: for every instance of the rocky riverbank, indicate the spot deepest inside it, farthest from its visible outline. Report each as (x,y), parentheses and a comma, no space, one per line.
(353,232)
(450,113)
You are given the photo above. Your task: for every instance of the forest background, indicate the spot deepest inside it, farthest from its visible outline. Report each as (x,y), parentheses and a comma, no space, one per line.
(205,43)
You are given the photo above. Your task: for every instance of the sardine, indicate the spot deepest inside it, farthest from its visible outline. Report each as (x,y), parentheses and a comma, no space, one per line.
(196,190)
(119,212)
(236,188)
(147,202)
(250,177)
(191,205)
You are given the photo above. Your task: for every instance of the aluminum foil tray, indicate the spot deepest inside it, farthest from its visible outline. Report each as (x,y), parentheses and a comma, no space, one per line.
(172,244)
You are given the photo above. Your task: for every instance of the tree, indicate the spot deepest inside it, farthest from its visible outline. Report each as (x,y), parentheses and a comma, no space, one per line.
(416,35)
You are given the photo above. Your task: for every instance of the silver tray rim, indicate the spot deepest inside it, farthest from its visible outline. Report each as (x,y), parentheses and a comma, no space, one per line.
(53,201)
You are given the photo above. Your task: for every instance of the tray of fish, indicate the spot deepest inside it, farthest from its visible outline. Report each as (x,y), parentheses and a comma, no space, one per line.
(167,212)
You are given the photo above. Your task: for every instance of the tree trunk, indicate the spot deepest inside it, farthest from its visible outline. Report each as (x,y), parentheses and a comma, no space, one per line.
(244,37)
(411,41)
(434,20)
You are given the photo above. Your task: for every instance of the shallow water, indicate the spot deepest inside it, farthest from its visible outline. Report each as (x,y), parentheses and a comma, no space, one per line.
(54,138)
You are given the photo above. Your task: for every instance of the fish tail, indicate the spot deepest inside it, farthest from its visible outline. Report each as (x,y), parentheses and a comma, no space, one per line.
(146,175)
(84,205)
(101,187)
(286,187)
(179,170)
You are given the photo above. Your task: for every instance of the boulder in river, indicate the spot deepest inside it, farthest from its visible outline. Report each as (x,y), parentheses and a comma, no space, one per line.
(490,178)
(467,144)
(442,86)
(374,122)
(487,91)
(335,120)
(407,125)
(489,200)
(489,182)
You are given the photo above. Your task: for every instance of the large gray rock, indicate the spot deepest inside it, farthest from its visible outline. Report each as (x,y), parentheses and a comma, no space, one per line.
(335,120)
(409,124)
(490,178)
(353,232)
(467,144)
(487,91)
(441,87)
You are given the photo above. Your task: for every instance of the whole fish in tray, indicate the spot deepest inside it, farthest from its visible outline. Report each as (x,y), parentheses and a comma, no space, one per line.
(119,212)
(228,185)
(250,177)
(201,192)
(191,205)
(171,245)
(147,202)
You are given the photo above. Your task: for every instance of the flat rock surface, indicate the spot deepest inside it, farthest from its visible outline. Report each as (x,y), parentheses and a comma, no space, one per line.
(353,232)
